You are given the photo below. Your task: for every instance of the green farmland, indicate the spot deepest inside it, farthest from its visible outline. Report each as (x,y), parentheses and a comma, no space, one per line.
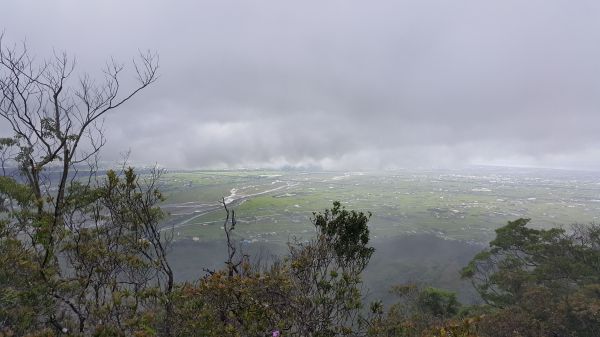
(462,205)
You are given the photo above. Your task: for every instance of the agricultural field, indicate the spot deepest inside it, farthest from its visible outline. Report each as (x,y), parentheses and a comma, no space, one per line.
(276,206)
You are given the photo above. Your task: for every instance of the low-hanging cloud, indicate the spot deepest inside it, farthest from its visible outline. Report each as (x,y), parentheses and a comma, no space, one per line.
(341,84)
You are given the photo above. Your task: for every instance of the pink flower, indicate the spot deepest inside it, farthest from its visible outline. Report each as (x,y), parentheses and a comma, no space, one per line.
(276,333)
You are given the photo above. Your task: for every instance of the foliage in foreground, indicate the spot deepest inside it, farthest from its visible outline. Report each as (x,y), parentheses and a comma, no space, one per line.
(91,276)
(540,282)
(81,251)
(534,282)
(314,291)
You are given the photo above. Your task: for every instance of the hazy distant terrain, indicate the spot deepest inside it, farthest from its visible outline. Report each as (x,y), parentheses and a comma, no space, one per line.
(426,225)
(464,205)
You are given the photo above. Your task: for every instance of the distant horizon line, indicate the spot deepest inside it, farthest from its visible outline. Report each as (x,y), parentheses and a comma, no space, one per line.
(106,165)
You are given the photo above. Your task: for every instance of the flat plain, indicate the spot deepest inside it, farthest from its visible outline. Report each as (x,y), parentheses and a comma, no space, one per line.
(461,205)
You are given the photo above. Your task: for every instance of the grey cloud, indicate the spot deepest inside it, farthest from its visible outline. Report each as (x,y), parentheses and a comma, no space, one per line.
(342,84)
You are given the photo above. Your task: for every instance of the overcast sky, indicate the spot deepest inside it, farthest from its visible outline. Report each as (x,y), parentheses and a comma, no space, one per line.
(341,84)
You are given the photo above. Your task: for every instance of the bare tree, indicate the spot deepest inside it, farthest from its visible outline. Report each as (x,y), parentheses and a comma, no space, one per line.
(57,118)
(233,260)
(53,114)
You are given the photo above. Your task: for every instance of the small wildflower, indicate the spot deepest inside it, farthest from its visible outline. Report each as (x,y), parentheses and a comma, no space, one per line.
(276,333)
